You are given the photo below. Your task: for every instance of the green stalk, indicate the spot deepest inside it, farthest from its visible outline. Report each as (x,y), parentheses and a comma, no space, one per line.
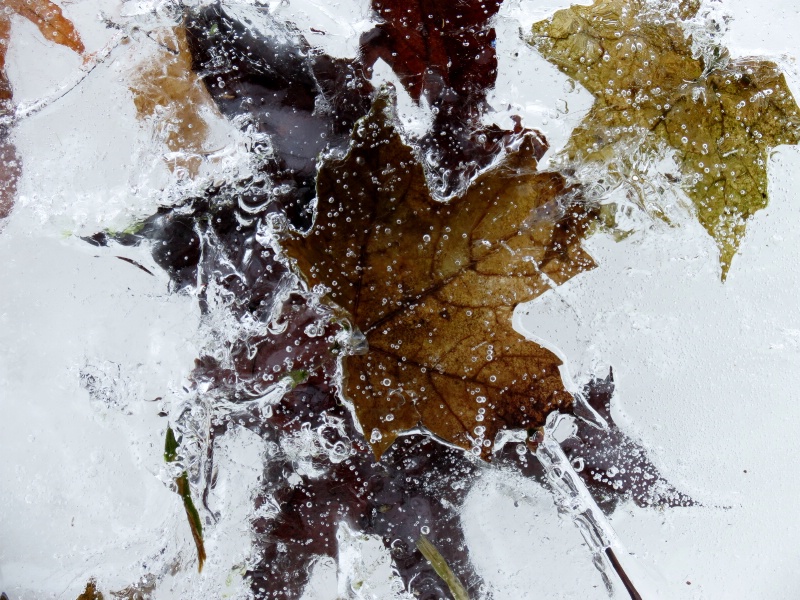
(441,567)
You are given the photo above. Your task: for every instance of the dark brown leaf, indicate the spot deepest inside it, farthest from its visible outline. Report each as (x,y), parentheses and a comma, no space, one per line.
(305,101)
(416,489)
(432,286)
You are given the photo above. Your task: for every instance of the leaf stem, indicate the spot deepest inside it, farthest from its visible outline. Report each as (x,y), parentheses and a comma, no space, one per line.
(441,567)
(626,581)
(574,500)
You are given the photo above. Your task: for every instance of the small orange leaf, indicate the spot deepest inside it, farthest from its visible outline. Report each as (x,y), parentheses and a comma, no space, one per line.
(168,91)
(50,21)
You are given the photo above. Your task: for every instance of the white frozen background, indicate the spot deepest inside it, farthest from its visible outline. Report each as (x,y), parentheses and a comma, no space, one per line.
(707,374)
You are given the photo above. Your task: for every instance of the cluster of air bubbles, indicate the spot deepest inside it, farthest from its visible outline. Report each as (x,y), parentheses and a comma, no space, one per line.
(479,442)
(305,446)
(314,329)
(376,436)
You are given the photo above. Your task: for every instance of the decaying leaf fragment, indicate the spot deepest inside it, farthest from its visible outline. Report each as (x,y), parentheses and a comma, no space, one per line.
(720,118)
(432,286)
(53,26)
(169,93)
(91,592)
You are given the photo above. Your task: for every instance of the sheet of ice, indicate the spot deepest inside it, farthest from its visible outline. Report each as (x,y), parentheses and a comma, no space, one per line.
(705,372)
(80,494)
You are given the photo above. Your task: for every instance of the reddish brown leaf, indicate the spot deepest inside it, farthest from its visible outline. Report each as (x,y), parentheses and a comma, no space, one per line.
(441,50)
(444,52)
(613,465)
(5,85)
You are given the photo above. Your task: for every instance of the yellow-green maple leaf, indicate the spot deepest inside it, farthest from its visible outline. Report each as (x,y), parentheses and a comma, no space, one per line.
(721,119)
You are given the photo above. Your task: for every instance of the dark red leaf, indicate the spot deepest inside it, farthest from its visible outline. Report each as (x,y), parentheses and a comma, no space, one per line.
(614,466)
(444,52)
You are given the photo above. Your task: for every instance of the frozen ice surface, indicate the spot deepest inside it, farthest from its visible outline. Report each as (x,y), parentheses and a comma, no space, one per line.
(80,491)
(706,372)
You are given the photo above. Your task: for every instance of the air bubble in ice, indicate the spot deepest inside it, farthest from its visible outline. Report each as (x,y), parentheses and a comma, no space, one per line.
(314,330)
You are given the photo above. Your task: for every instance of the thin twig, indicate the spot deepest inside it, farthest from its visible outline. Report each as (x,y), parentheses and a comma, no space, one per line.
(574,500)
(23,111)
(626,581)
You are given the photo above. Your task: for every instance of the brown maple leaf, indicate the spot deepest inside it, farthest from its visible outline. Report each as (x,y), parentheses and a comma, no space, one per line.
(720,117)
(432,286)
(53,26)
